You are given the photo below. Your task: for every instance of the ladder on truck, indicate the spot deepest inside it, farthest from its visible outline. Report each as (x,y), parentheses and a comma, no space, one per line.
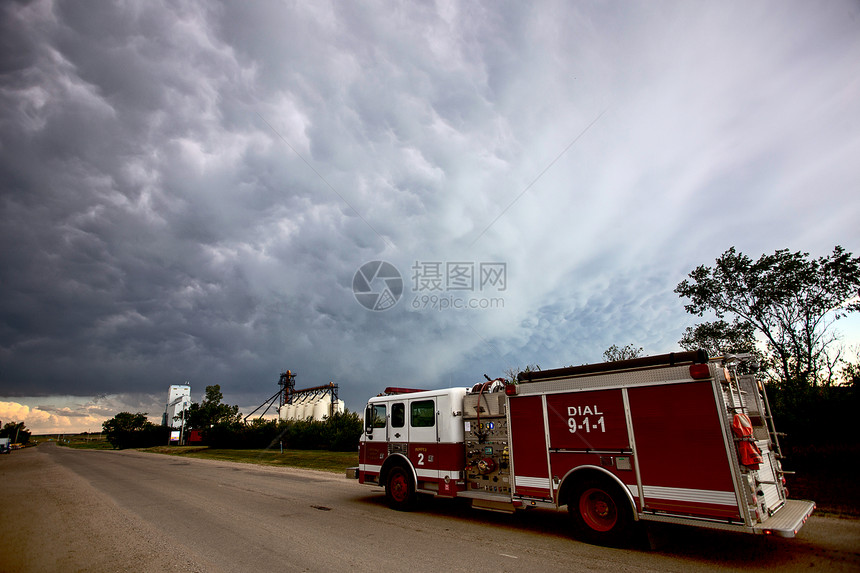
(735,402)
(753,400)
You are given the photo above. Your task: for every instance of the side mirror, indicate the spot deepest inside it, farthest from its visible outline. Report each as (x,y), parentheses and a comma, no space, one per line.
(368,419)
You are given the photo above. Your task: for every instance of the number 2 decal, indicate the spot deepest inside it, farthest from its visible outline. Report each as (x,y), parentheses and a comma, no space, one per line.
(420,459)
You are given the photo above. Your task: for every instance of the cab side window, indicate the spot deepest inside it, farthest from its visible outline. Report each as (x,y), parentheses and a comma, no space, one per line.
(423,414)
(379,415)
(398,415)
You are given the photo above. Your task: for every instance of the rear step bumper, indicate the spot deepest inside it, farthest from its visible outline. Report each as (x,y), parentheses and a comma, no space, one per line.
(788,520)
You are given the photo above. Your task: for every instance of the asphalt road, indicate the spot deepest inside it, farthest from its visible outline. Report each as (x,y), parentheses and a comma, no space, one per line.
(77,510)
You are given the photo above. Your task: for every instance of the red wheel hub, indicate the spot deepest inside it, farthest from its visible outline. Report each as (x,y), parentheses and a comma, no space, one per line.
(399,487)
(597,509)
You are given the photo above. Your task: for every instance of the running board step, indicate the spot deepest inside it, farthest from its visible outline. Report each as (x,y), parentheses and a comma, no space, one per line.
(489,505)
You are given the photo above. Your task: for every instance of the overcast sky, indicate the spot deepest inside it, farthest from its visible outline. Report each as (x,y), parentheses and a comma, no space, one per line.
(189,188)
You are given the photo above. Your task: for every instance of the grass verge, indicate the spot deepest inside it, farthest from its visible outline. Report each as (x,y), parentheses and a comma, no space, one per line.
(323,460)
(77,441)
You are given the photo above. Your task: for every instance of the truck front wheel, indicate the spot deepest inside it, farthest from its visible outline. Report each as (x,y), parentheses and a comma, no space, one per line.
(599,512)
(400,489)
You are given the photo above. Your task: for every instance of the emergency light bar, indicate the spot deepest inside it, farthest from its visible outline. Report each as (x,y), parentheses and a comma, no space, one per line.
(391,390)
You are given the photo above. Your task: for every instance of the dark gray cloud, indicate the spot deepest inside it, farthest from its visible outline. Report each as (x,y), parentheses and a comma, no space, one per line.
(187,190)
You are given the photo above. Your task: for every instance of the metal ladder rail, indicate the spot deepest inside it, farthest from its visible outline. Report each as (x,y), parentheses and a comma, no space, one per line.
(732,381)
(731,410)
(778,473)
(768,416)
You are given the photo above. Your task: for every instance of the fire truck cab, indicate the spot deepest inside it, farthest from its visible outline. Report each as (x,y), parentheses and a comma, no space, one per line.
(413,442)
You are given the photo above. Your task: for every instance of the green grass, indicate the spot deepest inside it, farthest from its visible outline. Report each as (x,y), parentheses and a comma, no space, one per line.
(77,441)
(309,459)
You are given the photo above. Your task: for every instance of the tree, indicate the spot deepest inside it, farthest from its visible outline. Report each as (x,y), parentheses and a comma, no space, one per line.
(127,430)
(512,372)
(342,431)
(16,432)
(614,354)
(850,372)
(720,337)
(789,298)
(211,412)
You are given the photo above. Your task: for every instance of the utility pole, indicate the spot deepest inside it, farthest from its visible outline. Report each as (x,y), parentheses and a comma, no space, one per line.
(182,427)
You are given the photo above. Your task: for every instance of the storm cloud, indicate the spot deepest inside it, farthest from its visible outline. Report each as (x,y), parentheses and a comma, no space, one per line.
(188,189)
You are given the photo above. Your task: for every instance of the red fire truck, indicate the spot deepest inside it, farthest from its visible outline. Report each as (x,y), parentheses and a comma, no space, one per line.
(675,438)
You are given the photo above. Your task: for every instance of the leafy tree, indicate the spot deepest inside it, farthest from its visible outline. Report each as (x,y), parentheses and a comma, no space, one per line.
(210,413)
(16,432)
(851,373)
(614,354)
(512,372)
(127,430)
(789,298)
(342,431)
(720,337)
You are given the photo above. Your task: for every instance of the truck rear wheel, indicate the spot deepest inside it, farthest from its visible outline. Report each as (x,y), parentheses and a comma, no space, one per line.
(400,489)
(599,512)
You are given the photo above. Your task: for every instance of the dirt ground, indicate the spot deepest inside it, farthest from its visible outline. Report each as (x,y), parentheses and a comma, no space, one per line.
(42,524)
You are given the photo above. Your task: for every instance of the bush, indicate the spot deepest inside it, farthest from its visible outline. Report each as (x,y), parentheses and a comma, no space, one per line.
(339,432)
(815,416)
(126,430)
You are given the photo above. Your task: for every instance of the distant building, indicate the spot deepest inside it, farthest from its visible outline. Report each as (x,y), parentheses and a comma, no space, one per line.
(178,401)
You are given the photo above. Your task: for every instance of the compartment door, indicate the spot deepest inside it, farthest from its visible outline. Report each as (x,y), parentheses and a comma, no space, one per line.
(682,452)
(528,448)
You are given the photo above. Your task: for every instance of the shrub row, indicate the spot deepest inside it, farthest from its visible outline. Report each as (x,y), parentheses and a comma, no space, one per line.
(815,416)
(339,432)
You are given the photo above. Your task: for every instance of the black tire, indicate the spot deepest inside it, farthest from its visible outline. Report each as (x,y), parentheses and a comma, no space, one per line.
(400,489)
(600,513)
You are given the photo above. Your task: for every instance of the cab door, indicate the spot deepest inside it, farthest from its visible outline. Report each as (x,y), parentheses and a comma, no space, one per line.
(373,448)
(423,428)
(398,429)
